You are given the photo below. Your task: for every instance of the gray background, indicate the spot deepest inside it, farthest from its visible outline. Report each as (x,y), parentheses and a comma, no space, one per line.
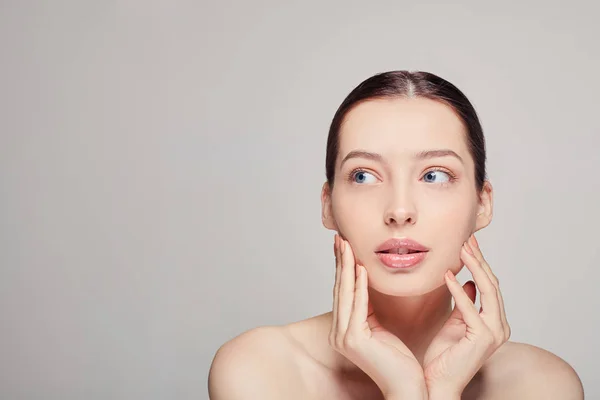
(161,166)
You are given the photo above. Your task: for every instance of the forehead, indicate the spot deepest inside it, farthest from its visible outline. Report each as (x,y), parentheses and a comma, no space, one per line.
(402,126)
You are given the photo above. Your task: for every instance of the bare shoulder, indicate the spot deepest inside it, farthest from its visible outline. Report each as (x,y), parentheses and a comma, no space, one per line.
(254,364)
(523,371)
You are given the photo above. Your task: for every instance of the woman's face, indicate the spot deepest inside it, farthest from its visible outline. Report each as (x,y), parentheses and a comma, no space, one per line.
(398,195)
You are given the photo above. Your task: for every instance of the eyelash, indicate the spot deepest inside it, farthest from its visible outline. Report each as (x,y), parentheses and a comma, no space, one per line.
(350,176)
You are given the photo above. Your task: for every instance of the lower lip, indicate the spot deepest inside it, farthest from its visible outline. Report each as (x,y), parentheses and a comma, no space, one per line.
(401,260)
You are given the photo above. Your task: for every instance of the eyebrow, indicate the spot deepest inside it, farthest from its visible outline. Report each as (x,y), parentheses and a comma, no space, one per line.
(421,155)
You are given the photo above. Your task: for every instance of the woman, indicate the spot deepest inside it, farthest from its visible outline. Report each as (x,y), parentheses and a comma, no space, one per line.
(406,190)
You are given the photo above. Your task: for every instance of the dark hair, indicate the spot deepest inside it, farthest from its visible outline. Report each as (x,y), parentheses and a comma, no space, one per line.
(395,84)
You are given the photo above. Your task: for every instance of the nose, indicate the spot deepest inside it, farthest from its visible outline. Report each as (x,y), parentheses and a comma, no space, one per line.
(401,209)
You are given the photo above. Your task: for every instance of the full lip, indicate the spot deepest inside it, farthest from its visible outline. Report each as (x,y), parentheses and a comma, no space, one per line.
(401,243)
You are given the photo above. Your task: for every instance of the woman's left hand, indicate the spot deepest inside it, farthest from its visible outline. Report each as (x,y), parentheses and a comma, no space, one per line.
(468,338)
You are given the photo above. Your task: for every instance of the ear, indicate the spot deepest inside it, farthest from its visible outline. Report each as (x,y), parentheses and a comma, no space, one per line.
(326,212)
(485,210)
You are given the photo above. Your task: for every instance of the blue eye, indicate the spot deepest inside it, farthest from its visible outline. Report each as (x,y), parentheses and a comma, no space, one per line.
(360,174)
(435,172)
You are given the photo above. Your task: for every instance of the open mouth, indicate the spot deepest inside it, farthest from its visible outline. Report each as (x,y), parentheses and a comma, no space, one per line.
(400,251)
(401,258)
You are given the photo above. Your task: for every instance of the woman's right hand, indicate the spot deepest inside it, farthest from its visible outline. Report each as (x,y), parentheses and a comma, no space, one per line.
(356,333)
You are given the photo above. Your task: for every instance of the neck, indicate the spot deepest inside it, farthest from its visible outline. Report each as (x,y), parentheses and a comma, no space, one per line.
(415,320)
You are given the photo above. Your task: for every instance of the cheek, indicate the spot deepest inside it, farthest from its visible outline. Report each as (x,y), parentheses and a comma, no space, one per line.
(353,213)
(453,223)
(449,240)
(355,219)
(455,209)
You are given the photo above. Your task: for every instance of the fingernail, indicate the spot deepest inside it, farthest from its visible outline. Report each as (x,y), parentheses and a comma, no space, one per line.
(450,275)
(475,241)
(468,248)
(343,245)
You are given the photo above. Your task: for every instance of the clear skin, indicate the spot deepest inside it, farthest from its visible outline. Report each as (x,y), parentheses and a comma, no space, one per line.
(319,357)
(433,201)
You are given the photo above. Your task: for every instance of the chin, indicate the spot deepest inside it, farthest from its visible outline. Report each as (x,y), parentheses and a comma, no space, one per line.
(404,284)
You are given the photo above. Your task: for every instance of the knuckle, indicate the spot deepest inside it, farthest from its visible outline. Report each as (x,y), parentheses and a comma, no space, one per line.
(333,341)
(499,338)
(350,341)
(488,337)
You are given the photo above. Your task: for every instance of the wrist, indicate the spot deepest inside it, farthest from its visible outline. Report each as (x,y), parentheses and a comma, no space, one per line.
(443,395)
(413,393)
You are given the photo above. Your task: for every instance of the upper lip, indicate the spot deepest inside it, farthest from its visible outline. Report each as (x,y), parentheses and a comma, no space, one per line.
(402,243)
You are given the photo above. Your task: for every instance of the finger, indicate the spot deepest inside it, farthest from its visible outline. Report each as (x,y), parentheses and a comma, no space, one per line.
(463,303)
(336,287)
(486,267)
(360,307)
(471,291)
(488,293)
(479,255)
(346,293)
(505,325)
(503,314)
